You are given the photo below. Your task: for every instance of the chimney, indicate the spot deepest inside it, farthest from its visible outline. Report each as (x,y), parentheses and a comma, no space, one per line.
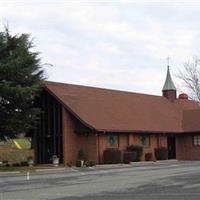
(183,96)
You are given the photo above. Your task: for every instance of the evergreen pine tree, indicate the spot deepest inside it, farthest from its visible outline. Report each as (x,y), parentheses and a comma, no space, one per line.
(21,78)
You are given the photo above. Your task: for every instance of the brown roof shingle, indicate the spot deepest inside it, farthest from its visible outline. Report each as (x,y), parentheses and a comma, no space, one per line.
(191,120)
(112,110)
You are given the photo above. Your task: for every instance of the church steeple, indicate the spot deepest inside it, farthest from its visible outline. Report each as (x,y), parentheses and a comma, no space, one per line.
(169,84)
(169,89)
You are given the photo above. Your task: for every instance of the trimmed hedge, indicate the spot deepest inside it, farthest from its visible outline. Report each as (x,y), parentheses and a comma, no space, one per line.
(148,156)
(78,163)
(24,163)
(112,156)
(136,148)
(161,153)
(90,163)
(129,156)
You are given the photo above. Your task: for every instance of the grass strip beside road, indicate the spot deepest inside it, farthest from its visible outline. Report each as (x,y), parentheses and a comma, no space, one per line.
(17,169)
(27,169)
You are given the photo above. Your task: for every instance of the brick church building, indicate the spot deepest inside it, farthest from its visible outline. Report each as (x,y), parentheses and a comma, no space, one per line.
(94,119)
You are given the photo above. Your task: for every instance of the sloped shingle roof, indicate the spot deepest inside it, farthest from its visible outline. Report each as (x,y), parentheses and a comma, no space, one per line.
(191,120)
(112,110)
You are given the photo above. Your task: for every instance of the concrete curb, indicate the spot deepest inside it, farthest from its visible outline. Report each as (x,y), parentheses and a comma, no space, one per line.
(154,162)
(132,164)
(138,163)
(112,165)
(50,169)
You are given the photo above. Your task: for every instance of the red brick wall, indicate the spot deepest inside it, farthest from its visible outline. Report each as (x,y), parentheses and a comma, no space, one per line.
(155,141)
(150,149)
(95,145)
(185,150)
(103,144)
(170,94)
(72,142)
(123,142)
(126,139)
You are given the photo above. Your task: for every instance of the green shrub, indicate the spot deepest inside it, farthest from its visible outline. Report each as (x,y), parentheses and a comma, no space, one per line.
(16,164)
(81,154)
(129,156)
(148,156)
(78,163)
(90,163)
(161,153)
(24,163)
(7,164)
(136,148)
(112,156)
(130,148)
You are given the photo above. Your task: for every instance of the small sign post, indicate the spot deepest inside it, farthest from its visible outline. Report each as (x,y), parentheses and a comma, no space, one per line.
(28,176)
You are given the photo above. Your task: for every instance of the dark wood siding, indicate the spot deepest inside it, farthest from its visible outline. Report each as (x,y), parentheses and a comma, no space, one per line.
(48,137)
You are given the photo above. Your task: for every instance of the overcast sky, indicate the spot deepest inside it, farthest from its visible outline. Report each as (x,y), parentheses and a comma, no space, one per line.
(112,45)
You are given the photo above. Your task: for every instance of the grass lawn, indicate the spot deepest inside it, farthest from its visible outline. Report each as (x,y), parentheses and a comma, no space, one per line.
(24,143)
(21,143)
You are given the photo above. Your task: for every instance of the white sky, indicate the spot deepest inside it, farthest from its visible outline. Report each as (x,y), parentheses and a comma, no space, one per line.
(119,45)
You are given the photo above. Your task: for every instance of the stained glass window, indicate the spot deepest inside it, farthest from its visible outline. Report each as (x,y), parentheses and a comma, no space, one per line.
(145,140)
(112,140)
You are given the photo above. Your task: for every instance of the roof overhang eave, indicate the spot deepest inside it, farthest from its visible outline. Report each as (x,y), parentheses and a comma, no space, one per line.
(69,109)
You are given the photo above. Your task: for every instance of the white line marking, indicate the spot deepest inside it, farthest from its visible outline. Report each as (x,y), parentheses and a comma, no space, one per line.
(28,176)
(91,167)
(74,170)
(103,171)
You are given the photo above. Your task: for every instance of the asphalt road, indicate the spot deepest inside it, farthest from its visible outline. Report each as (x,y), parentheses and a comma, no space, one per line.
(166,180)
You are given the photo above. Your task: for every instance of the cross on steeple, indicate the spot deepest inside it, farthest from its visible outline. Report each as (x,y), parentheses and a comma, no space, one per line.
(168,58)
(169,89)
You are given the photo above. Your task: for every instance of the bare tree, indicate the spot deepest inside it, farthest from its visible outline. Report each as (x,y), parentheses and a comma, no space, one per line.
(190,76)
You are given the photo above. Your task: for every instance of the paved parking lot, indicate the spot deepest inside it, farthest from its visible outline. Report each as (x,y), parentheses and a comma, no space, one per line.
(159,180)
